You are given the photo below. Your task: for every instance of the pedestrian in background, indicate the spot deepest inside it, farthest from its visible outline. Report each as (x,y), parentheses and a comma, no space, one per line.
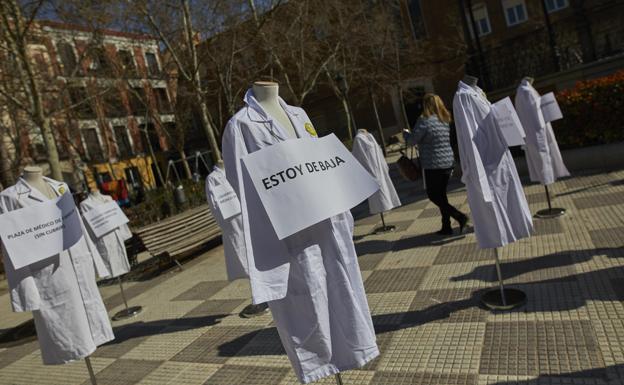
(432,135)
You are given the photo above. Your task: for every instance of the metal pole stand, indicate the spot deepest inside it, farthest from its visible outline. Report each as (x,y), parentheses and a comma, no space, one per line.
(502,298)
(128,312)
(90,369)
(338,379)
(550,212)
(384,228)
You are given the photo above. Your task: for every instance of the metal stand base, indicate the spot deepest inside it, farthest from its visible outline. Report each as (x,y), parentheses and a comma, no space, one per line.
(553,212)
(338,379)
(513,298)
(130,312)
(384,229)
(90,370)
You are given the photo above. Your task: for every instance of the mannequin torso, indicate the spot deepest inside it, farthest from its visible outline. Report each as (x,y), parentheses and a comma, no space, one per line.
(34,177)
(470,80)
(266,94)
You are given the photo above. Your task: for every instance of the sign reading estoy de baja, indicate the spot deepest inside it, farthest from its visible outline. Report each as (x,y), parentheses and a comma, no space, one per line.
(34,233)
(105,218)
(304,181)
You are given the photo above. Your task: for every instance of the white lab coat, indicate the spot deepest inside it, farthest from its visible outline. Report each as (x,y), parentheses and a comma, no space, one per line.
(111,246)
(311,278)
(61,291)
(499,208)
(542,151)
(232,229)
(370,155)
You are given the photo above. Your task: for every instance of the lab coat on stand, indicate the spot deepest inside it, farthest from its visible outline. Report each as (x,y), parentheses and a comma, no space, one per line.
(369,154)
(232,228)
(500,212)
(61,291)
(542,151)
(310,279)
(111,246)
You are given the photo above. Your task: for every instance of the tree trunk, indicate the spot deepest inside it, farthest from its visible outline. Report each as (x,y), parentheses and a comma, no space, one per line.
(403,111)
(7,178)
(50,142)
(151,150)
(345,106)
(204,112)
(378,121)
(187,168)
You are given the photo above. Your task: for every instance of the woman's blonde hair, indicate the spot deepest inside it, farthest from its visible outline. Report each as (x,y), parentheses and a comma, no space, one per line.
(433,105)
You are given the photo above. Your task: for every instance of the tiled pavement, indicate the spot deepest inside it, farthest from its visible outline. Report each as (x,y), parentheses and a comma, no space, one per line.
(423,292)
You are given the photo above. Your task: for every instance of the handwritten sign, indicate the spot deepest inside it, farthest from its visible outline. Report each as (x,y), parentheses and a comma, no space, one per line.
(105,218)
(301,182)
(550,108)
(508,122)
(34,233)
(227,200)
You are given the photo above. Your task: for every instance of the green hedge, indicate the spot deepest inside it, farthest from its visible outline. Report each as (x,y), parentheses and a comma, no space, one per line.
(593,112)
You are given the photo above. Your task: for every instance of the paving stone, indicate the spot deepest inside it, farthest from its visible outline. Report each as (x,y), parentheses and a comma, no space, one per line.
(534,348)
(446,305)
(599,200)
(127,338)
(214,308)
(174,373)
(607,238)
(388,378)
(217,345)
(125,372)
(17,352)
(547,226)
(431,212)
(246,375)
(202,291)
(370,261)
(384,281)
(463,253)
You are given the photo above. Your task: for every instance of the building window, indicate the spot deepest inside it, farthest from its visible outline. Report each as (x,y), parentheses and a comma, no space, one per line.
(124,148)
(99,63)
(164,107)
(68,57)
(137,101)
(152,64)
(126,61)
(555,5)
(82,105)
(92,143)
(416,17)
(515,11)
(481,19)
(113,104)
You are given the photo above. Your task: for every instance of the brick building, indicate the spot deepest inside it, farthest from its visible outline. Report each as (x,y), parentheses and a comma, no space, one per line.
(111,103)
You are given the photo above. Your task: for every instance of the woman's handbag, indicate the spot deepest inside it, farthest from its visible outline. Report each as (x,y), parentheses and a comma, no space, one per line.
(409,167)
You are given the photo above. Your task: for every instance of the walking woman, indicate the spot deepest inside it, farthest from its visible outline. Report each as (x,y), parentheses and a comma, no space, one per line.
(432,135)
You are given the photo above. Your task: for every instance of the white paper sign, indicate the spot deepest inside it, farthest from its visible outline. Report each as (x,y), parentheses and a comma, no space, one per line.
(105,218)
(227,200)
(34,233)
(508,122)
(550,108)
(304,181)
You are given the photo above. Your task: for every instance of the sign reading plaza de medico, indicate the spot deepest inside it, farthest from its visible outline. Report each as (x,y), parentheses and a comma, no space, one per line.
(34,233)
(301,182)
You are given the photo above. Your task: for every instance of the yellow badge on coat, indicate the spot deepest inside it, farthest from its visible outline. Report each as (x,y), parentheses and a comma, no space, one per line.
(310,128)
(61,190)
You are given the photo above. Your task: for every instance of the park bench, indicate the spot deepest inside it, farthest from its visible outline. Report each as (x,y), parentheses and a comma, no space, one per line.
(179,235)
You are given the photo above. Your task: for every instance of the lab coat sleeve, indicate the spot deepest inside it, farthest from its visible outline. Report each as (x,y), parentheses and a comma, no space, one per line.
(360,153)
(24,293)
(467,123)
(530,112)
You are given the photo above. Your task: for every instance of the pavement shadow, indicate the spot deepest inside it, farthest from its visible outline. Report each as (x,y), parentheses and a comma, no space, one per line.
(571,377)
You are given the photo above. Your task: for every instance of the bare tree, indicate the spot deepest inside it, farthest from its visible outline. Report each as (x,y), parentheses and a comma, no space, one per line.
(173,23)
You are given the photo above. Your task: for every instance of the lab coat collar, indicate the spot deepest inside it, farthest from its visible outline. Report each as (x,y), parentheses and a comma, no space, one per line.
(23,189)
(465,87)
(256,113)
